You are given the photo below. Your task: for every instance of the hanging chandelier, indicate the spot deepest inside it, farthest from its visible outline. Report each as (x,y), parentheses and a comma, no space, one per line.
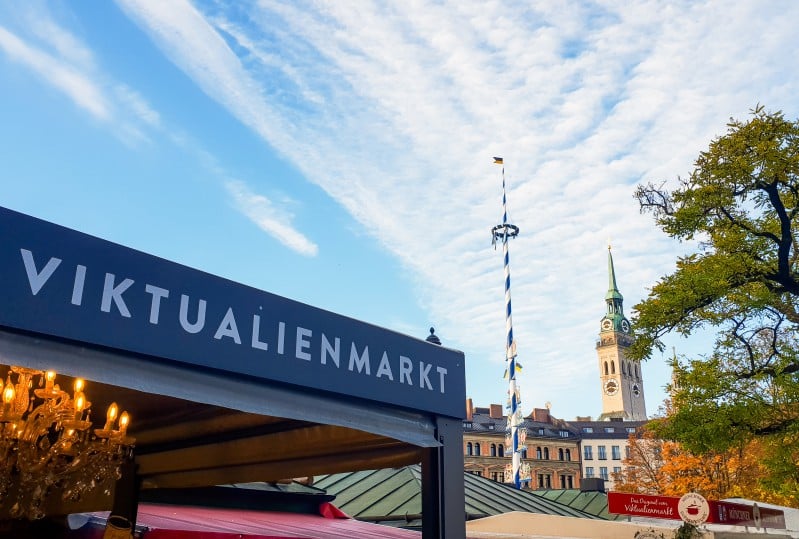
(48,447)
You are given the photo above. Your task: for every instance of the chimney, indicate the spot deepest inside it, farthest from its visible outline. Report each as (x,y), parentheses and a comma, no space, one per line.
(541,415)
(496,412)
(469,410)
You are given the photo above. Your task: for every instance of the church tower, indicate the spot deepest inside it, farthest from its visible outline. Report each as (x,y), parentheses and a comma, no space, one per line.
(622,384)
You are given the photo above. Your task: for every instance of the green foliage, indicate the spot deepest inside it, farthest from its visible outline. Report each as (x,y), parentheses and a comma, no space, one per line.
(741,203)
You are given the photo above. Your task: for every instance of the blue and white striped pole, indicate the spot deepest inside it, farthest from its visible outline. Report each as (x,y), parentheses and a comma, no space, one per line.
(504,232)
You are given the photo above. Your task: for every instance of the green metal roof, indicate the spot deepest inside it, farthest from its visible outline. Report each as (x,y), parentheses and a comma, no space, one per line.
(396,494)
(594,502)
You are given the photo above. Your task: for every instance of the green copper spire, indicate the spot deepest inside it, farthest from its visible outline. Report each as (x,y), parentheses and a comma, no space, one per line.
(614,319)
(613,290)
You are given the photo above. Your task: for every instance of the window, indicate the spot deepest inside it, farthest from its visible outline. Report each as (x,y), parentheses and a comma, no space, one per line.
(501,450)
(617,469)
(602,453)
(587,453)
(477,449)
(631,430)
(467,424)
(548,480)
(607,371)
(603,472)
(546,453)
(493,450)
(562,481)
(610,430)
(588,429)
(626,451)
(524,452)
(490,426)
(569,482)
(615,452)
(540,432)
(564,434)
(589,471)
(560,453)
(612,367)
(498,476)
(478,473)
(469,449)
(568,454)
(538,453)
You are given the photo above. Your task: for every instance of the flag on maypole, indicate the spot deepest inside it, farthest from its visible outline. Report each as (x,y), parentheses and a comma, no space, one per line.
(503,232)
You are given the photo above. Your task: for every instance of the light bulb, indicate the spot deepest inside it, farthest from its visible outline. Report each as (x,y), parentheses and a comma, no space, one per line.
(112,412)
(78,385)
(80,402)
(49,378)
(9,394)
(124,420)
(110,416)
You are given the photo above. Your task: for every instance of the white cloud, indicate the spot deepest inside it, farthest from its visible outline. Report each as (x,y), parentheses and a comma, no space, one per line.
(269,218)
(395,109)
(70,67)
(67,64)
(194,45)
(82,90)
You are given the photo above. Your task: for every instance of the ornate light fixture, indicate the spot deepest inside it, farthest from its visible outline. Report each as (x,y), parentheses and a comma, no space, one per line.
(47,445)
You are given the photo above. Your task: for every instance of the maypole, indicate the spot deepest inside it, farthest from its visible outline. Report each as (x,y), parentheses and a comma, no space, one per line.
(504,232)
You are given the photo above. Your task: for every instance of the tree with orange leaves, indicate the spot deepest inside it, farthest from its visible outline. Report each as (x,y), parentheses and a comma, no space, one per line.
(667,468)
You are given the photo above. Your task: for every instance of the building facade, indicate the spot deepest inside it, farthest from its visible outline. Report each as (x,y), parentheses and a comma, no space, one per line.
(550,447)
(604,445)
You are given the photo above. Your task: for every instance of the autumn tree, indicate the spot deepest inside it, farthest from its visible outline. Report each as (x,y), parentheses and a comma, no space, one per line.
(643,467)
(667,468)
(741,205)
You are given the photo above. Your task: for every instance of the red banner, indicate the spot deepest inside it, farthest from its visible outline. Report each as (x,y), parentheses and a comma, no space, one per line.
(746,515)
(643,505)
(737,514)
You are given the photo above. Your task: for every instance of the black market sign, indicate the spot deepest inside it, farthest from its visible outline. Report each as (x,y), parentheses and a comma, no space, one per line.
(59,282)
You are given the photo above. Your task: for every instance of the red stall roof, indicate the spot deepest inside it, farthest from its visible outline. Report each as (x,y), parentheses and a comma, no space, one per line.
(189,522)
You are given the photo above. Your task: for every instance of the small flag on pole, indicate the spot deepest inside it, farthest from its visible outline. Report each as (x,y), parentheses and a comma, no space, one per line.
(498,161)
(518,369)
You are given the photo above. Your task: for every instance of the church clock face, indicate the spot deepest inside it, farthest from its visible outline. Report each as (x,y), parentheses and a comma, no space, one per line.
(625,326)
(606,324)
(611,387)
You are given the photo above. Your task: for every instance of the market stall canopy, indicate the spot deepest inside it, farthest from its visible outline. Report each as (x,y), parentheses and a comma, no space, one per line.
(191,522)
(223,383)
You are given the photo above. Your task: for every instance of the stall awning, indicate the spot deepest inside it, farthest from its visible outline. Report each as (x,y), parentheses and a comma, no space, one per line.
(198,428)
(183,522)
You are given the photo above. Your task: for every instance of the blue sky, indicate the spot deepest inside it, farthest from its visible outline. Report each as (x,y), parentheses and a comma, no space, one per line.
(340,153)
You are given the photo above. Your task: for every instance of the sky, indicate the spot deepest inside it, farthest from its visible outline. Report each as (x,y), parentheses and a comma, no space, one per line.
(340,153)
